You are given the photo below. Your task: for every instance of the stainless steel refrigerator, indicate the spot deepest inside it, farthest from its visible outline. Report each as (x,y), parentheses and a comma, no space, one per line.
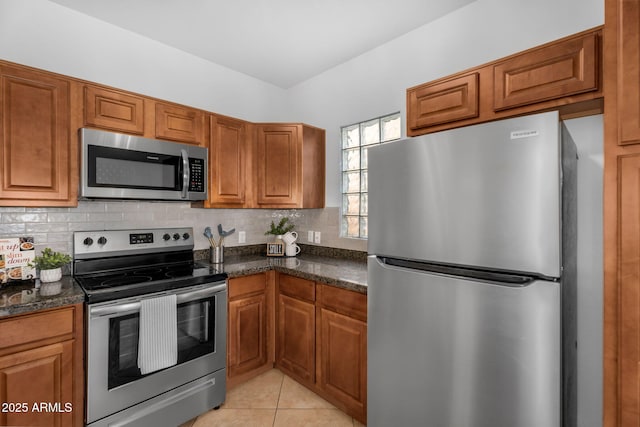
(472,277)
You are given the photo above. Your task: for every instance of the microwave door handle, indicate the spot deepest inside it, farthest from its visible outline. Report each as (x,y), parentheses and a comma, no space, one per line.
(185,172)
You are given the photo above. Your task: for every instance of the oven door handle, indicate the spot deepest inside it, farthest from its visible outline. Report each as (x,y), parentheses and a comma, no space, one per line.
(134,306)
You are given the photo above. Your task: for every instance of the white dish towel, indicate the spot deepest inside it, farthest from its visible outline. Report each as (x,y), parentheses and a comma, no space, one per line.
(158,334)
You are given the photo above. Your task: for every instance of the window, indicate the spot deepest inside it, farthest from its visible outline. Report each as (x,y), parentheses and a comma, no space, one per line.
(356,139)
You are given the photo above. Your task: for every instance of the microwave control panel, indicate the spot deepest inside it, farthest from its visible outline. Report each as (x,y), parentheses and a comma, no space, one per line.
(197,176)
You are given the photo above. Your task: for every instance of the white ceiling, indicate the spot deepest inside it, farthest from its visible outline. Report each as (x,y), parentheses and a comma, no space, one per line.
(283,42)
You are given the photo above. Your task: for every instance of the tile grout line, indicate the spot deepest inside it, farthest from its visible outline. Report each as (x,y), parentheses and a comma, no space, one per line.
(275,414)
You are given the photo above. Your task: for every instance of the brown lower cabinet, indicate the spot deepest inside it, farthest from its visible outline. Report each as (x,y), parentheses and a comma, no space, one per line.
(319,338)
(322,341)
(250,329)
(41,368)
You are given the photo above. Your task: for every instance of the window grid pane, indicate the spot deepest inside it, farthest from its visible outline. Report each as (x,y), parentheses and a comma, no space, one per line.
(356,139)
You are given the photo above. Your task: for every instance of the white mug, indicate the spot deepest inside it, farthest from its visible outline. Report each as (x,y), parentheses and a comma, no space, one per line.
(289,237)
(292,250)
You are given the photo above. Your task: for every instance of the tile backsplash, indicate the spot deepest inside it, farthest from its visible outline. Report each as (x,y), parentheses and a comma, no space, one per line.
(54,227)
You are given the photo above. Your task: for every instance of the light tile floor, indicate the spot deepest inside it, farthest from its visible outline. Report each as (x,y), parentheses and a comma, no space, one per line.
(273,400)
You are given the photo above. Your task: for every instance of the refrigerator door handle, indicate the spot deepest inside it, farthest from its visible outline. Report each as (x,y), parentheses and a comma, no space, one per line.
(497,277)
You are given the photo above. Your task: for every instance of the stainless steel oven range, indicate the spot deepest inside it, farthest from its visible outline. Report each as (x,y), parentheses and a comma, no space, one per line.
(156,327)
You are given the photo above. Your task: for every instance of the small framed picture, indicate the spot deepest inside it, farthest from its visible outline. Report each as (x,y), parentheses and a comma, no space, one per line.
(275,249)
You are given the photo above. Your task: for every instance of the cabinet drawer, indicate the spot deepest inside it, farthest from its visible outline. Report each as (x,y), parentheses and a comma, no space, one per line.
(36,327)
(247,285)
(296,287)
(443,102)
(350,303)
(110,109)
(554,71)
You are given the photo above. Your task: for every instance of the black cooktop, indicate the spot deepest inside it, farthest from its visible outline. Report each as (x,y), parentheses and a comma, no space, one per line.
(144,280)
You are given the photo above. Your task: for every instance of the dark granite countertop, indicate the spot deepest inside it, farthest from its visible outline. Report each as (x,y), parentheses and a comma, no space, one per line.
(25,297)
(346,272)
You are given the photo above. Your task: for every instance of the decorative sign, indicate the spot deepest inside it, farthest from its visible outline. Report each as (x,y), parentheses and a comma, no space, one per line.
(15,256)
(275,249)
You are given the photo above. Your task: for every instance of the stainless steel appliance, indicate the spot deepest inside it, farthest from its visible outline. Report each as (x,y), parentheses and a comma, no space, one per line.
(119,270)
(472,291)
(123,166)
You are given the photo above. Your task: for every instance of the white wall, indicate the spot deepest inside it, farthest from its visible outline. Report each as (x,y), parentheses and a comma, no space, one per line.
(46,35)
(374,83)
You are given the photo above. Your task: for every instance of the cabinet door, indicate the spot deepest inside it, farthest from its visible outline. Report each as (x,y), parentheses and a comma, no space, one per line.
(178,123)
(247,344)
(558,70)
(228,155)
(278,165)
(343,360)
(295,352)
(110,109)
(628,71)
(443,102)
(36,151)
(42,379)
(629,276)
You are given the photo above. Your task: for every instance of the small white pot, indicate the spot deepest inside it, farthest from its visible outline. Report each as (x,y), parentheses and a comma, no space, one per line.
(52,275)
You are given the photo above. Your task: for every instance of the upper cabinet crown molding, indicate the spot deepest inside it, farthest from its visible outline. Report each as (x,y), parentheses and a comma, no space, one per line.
(564,75)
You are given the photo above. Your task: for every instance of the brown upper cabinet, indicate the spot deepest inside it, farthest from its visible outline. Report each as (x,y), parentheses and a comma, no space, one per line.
(114,110)
(37,151)
(250,166)
(179,123)
(564,75)
(564,68)
(230,151)
(444,102)
(290,166)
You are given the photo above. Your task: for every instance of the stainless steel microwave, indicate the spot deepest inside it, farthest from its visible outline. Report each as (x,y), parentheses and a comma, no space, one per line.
(119,166)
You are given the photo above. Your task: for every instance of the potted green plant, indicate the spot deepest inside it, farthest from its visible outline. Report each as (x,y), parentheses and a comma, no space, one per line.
(50,263)
(280,228)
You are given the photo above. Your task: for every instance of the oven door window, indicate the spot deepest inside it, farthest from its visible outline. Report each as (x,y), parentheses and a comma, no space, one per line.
(114,167)
(195,338)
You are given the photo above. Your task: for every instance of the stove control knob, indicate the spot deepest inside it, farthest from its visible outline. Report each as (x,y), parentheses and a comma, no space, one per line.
(176,236)
(102,240)
(166,236)
(186,236)
(88,241)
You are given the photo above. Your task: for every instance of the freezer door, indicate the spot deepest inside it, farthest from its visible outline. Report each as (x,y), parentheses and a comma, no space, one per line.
(486,195)
(448,352)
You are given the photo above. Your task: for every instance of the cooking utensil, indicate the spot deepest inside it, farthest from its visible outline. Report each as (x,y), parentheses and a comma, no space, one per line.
(209,235)
(223,233)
